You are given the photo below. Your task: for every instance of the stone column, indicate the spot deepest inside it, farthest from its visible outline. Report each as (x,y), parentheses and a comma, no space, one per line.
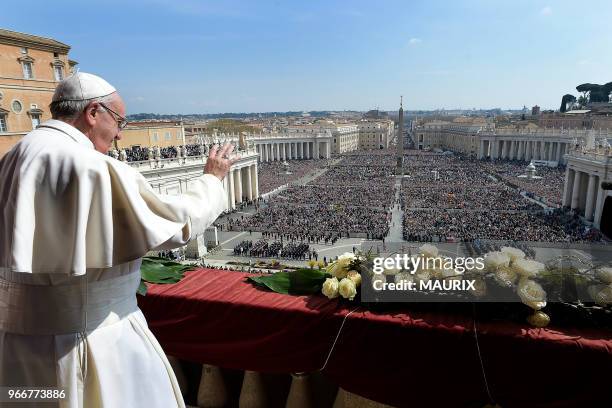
(590,198)
(529,151)
(247,183)
(231,191)
(568,187)
(238,184)
(254,181)
(327,150)
(576,189)
(540,150)
(316,150)
(599,203)
(481,149)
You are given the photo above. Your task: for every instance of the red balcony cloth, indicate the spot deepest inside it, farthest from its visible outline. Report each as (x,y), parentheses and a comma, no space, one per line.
(403,359)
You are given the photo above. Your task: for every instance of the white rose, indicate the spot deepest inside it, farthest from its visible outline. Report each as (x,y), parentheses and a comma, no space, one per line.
(539,319)
(505,276)
(380,278)
(480,287)
(527,267)
(601,294)
(347,289)
(404,276)
(494,260)
(345,259)
(337,269)
(417,267)
(531,294)
(428,251)
(604,274)
(448,272)
(330,288)
(355,277)
(513,253)
(424,275)
(391,271)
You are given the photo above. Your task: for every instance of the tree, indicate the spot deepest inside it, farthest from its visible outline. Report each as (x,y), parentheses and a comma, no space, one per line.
(567,98)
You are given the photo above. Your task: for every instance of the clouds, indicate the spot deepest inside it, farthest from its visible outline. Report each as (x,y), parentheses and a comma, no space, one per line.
(414,41)
(546,11)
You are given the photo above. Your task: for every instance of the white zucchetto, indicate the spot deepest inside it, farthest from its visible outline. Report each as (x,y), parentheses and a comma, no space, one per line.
(81,87)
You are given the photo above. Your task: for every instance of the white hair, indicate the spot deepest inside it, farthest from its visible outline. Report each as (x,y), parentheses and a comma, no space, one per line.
(72,109)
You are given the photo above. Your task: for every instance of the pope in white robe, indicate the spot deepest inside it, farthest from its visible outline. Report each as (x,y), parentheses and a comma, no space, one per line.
(75,224)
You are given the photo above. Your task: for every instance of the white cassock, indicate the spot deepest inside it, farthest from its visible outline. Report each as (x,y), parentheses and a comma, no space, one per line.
(74,226)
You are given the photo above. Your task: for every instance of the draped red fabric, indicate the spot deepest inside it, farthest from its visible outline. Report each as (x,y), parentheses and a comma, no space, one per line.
(406,358)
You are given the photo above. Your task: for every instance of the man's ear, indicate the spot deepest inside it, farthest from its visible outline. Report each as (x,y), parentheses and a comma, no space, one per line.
(90,113)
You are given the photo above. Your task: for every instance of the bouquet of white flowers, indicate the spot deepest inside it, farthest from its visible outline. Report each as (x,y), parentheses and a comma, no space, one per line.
(341,278)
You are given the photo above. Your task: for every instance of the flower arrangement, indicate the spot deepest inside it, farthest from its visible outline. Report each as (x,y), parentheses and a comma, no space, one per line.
(341,278)
(345,276)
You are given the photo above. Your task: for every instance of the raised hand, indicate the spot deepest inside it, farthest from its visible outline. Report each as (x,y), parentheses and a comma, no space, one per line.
(219,161)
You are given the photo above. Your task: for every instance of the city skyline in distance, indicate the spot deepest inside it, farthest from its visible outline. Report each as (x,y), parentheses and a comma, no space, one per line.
(205,57)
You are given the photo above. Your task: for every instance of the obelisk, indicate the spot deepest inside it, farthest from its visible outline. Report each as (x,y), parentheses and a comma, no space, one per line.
(400,140)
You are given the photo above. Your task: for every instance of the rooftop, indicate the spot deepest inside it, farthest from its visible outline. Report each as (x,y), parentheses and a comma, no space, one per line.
(34,41)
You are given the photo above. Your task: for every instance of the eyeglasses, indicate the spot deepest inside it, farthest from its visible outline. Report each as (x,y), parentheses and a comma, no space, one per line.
(121,121)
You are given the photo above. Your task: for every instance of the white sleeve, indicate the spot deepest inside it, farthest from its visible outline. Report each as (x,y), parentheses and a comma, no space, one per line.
(205,201)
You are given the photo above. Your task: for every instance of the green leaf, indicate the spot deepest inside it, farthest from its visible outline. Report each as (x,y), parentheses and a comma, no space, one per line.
(160,270)
(299,282)
(142,288)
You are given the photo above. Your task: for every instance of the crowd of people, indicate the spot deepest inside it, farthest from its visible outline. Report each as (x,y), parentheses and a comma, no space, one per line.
(549,187)
(461,196)
(352,197)
(276,249)
(139,153)
(450,197)
(272,175)
(316,220)
(442,225)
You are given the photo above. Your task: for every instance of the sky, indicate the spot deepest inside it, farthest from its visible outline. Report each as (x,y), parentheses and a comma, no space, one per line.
(200,56)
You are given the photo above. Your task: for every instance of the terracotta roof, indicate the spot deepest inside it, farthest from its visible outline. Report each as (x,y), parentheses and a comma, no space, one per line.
(32,40)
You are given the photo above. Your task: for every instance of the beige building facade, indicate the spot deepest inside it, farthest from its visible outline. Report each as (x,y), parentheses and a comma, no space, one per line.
(30,68)
(152,134)
(543,144)
(375,134)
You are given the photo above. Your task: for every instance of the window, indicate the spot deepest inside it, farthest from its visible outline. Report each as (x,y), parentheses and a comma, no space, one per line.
(24,50)
(178,135)
(155,136)
(35,120)
(16,106)
(59,72)
(3,123)
(168,136)
(27,70)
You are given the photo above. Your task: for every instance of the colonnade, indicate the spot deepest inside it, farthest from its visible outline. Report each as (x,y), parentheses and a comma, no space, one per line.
(525,150)
(583,193)
(285,150)
(241,184)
